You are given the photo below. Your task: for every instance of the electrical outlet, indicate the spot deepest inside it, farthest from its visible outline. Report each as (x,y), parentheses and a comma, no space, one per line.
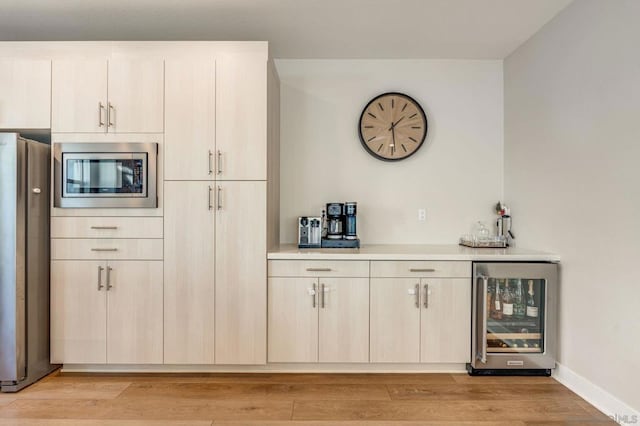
(422,215)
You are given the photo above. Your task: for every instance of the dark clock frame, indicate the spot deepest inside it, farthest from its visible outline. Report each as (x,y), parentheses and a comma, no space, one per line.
(420,109)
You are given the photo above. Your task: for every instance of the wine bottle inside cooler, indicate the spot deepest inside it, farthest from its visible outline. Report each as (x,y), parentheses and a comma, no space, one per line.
(532,307)
(496,305)
(507,301)
(519,306)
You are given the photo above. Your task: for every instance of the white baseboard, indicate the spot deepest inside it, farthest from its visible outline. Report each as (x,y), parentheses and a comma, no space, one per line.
(619,411)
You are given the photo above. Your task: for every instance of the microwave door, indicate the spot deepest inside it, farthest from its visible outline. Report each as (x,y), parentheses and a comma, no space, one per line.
(99,175)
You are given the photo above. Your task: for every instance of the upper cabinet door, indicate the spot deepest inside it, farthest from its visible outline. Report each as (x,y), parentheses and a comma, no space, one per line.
(79,96)
(136,89)
(25,94)
(241,118)
(190,119)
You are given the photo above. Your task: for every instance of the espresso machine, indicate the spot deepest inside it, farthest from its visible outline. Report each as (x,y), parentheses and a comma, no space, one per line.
(341,231)
(309,231)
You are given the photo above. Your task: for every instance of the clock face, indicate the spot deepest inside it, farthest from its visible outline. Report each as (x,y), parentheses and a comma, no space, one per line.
(393,126)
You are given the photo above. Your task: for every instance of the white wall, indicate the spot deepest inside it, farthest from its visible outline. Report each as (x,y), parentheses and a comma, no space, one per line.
(456,175)
(572,176)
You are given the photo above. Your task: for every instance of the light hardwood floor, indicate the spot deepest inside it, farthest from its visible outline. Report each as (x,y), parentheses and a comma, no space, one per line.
(296,399)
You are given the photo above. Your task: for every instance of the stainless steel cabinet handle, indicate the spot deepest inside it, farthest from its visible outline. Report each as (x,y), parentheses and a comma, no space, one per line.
(104,249)
(322,295)
(314,295)
(100,269)
(210,162)
(318,269)
(417,291)
(104,227)
(219,198)
(111,121)
(100,110)
(422,270)
(219,162)
(485,289)
(210,201)
(109,286)
(426,295)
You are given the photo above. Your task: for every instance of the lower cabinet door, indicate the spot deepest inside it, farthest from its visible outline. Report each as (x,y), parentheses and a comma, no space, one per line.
(446,320)
(241,273)
(189,272)
(78,312)
(343,320)
(134,312)
(293,320)
(395,320)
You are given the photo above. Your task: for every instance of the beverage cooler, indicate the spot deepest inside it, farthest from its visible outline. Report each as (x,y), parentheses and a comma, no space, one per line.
(514,318)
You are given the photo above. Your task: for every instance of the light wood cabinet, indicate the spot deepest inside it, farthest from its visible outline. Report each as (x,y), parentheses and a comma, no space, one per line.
(189,273)
(25,94)
(445,320)
(241,118)
(293,320)
(344,320)
(106,312)
(190,119)
(134,312)
(241,271)
(395,320)
(420,320)
(216,118)
(223,235)
(100,95)
(78,312)
(318,319)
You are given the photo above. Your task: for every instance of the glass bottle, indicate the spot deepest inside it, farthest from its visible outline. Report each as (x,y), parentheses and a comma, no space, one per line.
(507,301)
(532,308)
(490,292)
(519,307)
(496,305)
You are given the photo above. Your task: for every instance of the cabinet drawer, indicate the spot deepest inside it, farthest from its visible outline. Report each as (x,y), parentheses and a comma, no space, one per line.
(318,268)
(106,249)
(106,227)
(428,268)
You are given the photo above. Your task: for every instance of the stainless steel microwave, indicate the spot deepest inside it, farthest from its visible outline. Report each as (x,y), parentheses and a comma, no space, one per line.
(105,175)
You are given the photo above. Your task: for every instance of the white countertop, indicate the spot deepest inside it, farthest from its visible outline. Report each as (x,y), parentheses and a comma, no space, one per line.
(410,252)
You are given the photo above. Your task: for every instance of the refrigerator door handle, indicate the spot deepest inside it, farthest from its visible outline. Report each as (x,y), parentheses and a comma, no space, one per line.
(485,286)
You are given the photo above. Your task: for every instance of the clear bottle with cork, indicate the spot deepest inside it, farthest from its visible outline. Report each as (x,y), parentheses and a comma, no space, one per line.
(496,303)
(532,306)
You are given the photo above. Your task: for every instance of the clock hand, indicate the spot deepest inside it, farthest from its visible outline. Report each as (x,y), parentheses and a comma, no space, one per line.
(396,123)
(393,135)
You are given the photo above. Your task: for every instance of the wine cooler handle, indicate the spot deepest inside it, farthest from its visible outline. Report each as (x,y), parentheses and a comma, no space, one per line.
(485,289)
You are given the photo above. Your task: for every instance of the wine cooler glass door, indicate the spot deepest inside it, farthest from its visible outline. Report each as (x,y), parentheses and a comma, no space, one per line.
(514,321)
(516,312)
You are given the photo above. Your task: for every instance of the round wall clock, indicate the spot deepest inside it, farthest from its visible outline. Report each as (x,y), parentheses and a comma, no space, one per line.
(392,126)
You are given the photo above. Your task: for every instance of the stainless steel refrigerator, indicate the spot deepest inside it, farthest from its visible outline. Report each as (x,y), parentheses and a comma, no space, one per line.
(514,318)
(24,261)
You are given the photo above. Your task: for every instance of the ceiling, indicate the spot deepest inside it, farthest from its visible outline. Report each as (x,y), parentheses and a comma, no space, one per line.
(373,29)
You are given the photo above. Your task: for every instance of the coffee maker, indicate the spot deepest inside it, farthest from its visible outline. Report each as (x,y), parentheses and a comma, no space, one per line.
(341,226)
